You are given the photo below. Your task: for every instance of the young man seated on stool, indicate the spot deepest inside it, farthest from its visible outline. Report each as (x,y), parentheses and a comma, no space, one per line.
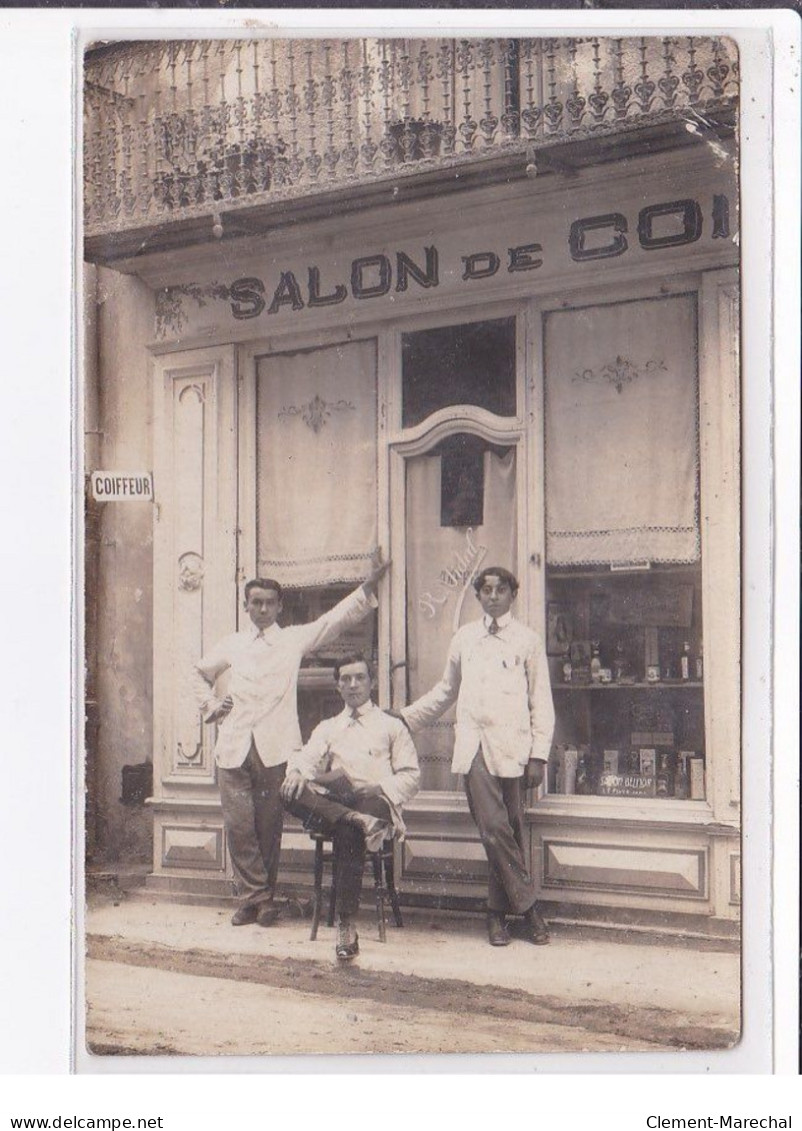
(350,781)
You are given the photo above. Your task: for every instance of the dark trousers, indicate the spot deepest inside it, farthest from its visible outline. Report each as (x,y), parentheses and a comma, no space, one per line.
(324,813)
(253,815)
(496,805)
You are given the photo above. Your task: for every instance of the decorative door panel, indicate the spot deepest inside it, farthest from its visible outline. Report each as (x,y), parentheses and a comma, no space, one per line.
(460,517)
(195,550)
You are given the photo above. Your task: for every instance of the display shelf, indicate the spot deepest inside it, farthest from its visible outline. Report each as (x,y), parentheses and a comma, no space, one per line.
(620,733)
(661,685)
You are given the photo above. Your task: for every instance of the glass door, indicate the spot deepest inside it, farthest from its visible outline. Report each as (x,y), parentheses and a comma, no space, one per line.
(457,474)
(460,516)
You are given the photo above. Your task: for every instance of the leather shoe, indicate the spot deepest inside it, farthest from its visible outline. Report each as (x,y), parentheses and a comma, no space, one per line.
(497,932)
(347,946)
(374,829)
(535,929)
(267,915)
(244,915)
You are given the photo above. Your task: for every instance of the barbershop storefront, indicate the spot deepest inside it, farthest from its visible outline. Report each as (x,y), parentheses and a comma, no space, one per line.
(542,374)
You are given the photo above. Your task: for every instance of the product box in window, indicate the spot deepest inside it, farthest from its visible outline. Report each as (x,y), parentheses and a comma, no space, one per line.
(580,657)
(647,758)
(696,773)
(630,780)
(567,763)
(611,761)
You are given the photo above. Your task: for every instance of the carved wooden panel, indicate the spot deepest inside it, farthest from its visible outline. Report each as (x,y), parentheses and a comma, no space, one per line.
(195,591)
(192,846)
(665,871)
(458,859)
(191,748)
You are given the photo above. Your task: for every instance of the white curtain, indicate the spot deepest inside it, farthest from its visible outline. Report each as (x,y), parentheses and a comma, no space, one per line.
(622,433)
(441,561)
(316,464)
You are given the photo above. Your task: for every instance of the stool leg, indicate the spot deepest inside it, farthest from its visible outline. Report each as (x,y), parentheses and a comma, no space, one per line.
(389,872)
(332,893)
(378,883)
(317,895)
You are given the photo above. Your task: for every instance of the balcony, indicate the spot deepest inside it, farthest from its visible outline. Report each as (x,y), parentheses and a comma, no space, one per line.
(185,141)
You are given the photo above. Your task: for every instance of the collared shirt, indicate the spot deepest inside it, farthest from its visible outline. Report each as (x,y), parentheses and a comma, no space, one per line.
(373,749)
(501,686)
(260,673)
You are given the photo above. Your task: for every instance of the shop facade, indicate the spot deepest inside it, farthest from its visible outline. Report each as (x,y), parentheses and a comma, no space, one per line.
(539,370)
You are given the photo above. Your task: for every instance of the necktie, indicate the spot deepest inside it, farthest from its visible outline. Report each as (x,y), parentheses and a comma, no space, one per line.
(493,627)
(354,715)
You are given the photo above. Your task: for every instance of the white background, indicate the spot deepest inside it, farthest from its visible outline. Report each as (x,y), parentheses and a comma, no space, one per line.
(37,429)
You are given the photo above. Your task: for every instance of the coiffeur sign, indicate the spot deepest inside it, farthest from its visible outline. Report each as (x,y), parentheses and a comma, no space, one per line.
(122,486)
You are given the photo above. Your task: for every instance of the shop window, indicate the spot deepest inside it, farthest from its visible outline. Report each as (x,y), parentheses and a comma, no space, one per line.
(318,697)
(627,670)
(624,632)
(316,497)
(472,363)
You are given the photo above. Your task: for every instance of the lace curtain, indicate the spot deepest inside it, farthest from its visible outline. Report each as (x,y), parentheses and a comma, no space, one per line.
(622,438)
(316,464)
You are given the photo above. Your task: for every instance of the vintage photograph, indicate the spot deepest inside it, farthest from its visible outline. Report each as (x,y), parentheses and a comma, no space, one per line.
(412,619)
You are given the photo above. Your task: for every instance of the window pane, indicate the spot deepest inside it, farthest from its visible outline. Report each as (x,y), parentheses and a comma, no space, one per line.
(473,363)
(627,671)
(624,632)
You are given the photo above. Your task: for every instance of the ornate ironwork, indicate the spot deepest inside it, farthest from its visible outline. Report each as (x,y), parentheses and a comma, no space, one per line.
(173,128)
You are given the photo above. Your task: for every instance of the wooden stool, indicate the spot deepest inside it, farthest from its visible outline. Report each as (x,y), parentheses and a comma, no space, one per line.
(383,863)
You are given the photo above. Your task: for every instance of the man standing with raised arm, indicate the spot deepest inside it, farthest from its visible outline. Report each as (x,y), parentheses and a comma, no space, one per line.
(497,673)
(247,684)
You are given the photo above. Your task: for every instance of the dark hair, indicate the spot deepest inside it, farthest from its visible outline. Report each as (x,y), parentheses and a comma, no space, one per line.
(262,583)
(496,571)
(352,658)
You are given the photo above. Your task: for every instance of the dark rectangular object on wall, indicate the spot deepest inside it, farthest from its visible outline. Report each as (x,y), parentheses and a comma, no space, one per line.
(137,783)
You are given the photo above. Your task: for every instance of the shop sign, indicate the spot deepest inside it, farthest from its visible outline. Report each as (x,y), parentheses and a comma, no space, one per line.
(509,250)
(590,238)
(122,486)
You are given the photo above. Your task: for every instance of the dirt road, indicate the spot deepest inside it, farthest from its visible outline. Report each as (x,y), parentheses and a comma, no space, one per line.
(156,1012)
(147,998)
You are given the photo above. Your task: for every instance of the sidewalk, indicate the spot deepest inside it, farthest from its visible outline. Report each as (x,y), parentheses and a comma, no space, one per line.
(618,994)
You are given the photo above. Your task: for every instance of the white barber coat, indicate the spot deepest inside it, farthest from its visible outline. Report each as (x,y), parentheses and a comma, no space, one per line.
(503,694)
(260,673)
(373,749)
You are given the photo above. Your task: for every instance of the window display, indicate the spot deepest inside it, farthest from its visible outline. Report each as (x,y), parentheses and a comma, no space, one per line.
(318,697)
(627,671)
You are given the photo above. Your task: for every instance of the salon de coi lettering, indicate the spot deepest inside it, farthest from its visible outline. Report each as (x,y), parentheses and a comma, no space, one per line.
(657,227)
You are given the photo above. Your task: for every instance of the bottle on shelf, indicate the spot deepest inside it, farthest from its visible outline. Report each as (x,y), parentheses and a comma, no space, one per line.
(582,775)
(595,663)
(700,667)
(663,782)
(682,786)
(685,661)
(619,663)
(651,654)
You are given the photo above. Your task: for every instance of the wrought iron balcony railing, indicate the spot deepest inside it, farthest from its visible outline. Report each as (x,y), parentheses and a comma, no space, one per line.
(174,130)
